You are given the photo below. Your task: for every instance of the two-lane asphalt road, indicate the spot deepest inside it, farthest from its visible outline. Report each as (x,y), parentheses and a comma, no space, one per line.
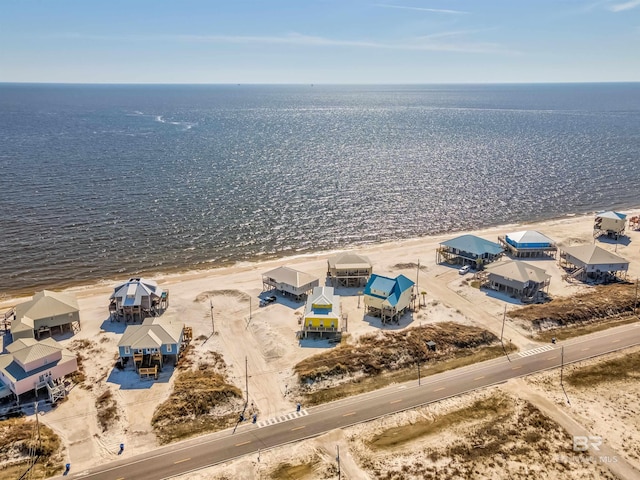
(212,449)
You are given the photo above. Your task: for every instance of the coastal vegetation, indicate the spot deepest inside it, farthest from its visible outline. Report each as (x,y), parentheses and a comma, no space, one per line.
(378,359)
(202,401)
(22,442)
(602,307)
(621,368)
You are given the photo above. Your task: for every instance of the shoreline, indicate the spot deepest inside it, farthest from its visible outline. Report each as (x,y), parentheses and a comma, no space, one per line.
(191,272)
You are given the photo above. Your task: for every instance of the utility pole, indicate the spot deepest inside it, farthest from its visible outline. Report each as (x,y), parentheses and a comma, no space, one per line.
(504,317)
(635,303)
(37,422)
(338,459)
(418,372)
(246,376)
(561,370)
(213,328)
(417,283)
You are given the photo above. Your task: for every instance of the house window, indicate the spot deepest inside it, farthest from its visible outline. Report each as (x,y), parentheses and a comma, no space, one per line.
(169,347)
(127,350)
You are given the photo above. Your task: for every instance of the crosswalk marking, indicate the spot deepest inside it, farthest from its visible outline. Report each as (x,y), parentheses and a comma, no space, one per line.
(535,351)
(282,418)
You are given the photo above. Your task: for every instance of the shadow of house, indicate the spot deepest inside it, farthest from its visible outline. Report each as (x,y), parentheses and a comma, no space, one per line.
(349,270)
(290,282)
(528,244)
(468,250)
(516,278)
(322,313)
(591,262)
(388,298)
(46,311)
(149,345)
(31,365)
(138,298)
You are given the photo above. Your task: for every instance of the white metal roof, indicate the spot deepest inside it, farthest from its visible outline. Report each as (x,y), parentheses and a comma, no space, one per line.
(529,236)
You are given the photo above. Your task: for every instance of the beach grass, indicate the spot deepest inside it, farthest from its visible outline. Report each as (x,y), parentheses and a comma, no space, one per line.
(368,384)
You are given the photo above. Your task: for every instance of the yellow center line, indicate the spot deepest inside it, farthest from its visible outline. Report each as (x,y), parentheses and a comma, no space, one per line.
(439,389)
(515,367)
(348,414)
(243,443)
(615,341)
(479,378)
(298,428)
(121,478)
(396,401)
(551,358)
(183,460)
(584,349)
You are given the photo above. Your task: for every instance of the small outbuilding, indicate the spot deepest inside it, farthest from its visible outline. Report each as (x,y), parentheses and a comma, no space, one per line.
(586,262)
(289,282)
(516,278)
(33,365)
(609,223)
(46,311)
(322,312)
(528,243)
(138,298)
(468,250)
(387,297)
(349,270)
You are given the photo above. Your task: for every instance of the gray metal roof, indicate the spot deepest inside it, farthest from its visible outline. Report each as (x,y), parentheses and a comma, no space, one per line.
(289,276)
(594,255)
(472,244)
(47,304)
(348,260)
(519,271)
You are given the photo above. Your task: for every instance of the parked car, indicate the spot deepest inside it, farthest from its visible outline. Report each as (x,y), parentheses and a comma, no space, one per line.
(267,300)
(464,269)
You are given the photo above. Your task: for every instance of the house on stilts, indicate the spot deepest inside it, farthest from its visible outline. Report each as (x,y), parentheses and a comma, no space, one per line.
(289,281)
(32,365)
(45,313)
(322,313)
(528,244)
(591,262)
(516,278)
(468,250)
(388,298)
(349,270)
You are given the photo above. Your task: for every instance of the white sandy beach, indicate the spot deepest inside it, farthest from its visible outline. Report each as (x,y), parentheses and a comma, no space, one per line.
(267,336)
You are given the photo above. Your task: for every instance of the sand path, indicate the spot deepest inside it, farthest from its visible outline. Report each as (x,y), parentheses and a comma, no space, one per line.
(620,467)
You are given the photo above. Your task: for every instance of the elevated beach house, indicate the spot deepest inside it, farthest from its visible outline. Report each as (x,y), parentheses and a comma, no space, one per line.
(152,342)
(45,312)
(138,298)
(609,223)
(388,298)
(586,262)
(289,282)
(468,250)
(349,270)
(33,365)
(528,243)
(516,278)
(322,312)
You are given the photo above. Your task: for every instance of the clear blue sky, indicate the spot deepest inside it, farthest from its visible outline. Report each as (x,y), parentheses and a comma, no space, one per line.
(319,41)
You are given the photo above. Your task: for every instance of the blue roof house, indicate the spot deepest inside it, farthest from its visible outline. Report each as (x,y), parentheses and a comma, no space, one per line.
(387,297)
(468,250)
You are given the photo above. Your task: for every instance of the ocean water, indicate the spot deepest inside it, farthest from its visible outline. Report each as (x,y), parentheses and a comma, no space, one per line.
(101,182)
